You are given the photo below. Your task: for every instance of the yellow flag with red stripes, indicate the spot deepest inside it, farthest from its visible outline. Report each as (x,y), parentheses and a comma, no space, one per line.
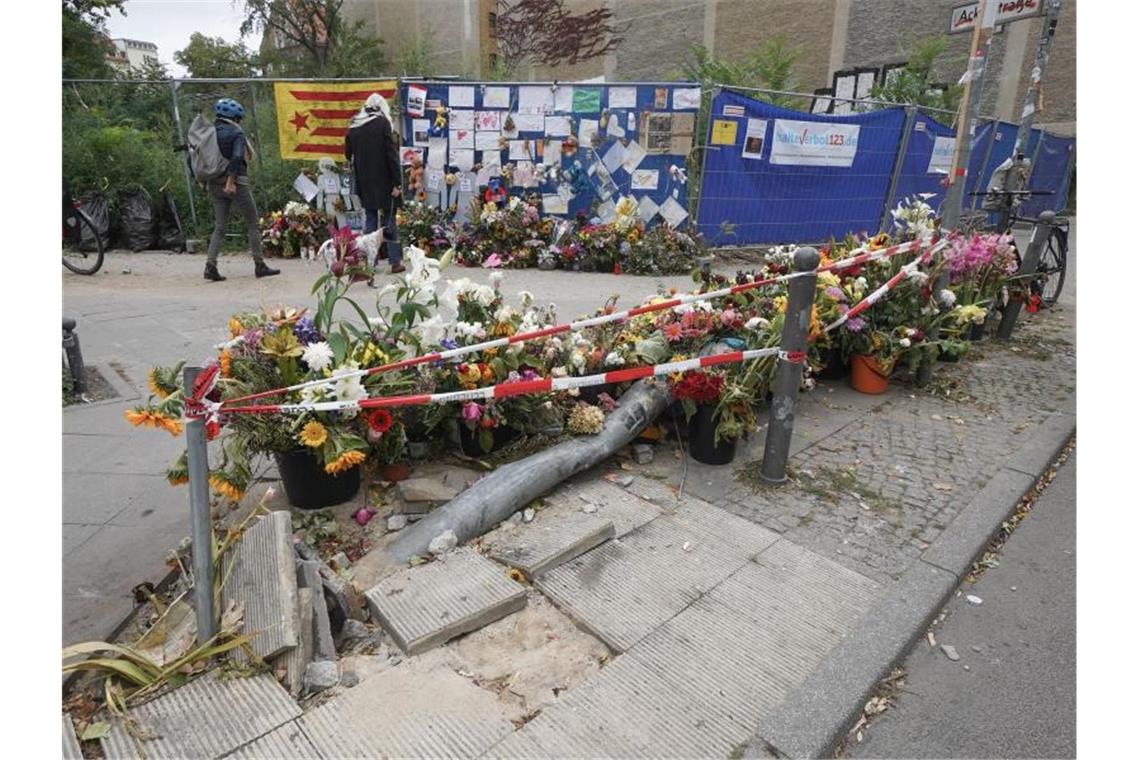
(313,117)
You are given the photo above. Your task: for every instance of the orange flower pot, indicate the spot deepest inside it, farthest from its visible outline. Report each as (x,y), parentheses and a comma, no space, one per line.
(868,375)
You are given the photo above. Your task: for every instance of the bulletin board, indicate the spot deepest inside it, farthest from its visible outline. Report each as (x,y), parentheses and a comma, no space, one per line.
(580,146)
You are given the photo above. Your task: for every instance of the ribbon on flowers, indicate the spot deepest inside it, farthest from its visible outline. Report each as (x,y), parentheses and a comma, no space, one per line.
(524,387)
(617,316)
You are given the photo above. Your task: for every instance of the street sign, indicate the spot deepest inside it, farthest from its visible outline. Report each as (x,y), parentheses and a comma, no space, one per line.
(963,17)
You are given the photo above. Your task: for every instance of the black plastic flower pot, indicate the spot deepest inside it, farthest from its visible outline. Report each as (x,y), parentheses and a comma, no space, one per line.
(702,437)
(308,486)
(469,440)
(977,332)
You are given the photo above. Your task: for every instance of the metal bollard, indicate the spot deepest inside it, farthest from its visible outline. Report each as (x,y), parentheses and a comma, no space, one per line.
(74,355)
(781,416)
(202,533)
(1037,242)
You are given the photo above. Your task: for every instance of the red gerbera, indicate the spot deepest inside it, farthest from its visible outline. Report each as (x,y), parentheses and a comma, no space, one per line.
(379,420)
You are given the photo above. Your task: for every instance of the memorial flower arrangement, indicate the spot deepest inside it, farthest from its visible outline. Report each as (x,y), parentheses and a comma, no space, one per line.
(291,232)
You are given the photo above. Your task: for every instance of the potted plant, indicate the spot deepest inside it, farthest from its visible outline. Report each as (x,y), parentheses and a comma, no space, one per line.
(719,413)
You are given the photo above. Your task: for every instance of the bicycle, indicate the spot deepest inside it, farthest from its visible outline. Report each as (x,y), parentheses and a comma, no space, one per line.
(1049,278)
(80,235)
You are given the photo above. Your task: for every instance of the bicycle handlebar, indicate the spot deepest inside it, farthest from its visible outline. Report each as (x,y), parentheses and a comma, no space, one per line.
(1014,192)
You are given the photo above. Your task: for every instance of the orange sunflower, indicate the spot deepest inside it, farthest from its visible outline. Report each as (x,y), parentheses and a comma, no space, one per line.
(344,462)
(143,417)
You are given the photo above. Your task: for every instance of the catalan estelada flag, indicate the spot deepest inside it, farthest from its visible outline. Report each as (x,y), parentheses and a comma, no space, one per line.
(313,117)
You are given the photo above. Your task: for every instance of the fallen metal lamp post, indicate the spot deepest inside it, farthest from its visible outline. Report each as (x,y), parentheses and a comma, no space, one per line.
(202,533)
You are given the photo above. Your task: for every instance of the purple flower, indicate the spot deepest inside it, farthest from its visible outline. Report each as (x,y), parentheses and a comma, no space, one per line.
(306,331)
(855,324)
(836,293)
(449,344)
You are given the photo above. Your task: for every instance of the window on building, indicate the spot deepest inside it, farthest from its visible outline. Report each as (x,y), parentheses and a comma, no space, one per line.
(492,19)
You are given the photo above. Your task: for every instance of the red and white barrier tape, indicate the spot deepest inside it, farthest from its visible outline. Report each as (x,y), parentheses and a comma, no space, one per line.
(883,289)
(523,387)
(671,303)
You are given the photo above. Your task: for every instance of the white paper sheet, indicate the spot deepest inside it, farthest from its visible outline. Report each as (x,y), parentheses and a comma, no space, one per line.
(672,212)
(416,97)
(554,204)
(437,152)
(306,187)
(552,153)
(754,138)
(530,122)
(634,155)
(614,127)
(623,97)
(644,179)
(686,98)
(466,183)
(535,100)
(461,97)
(607,211)
(491,158)
(564,98)
(513,132)
(497,97)
(524,175)
(565,191)
(520,150)
(461,120)
(558,126)
(487,140)
(587,128)
(462,158)
(614,157)
(647,207)
(489,121)
(462,138)
(419,132)
(433,180)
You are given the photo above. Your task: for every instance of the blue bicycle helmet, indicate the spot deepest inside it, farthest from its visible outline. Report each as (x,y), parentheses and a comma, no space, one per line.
(228,108)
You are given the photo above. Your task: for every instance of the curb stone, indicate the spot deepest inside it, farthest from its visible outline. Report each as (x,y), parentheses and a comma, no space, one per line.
(816,714)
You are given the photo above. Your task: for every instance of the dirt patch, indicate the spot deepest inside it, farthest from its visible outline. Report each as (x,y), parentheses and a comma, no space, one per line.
(98,389)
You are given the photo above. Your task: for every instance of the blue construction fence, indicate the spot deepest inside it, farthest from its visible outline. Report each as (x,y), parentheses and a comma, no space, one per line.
(773,175)
(580,146)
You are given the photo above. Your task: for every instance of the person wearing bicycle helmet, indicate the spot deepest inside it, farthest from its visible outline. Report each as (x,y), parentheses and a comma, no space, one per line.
(232,188)
(370,149)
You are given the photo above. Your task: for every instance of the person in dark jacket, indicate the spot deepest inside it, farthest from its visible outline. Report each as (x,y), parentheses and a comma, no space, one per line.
(370,148)
(232,188)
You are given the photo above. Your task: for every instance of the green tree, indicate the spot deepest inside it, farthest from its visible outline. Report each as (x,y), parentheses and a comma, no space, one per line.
(214,58)
(313,38)
(416,57)
(915,84)
(85,41)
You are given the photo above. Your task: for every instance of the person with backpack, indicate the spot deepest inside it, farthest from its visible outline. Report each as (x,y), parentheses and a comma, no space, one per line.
(370,149)
(231,186)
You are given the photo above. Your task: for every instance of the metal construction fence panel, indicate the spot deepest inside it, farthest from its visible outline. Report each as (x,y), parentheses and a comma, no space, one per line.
(644,133)
(780,175)
(925,162)
(1051,172)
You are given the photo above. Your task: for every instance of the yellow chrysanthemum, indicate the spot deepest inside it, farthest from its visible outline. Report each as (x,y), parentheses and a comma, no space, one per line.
(503,330)
(313,434)
(828,280)
(781,303)
(235,326)
(344,462)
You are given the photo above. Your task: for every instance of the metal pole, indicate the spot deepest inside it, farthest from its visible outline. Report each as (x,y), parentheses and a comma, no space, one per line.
(1029,107)
(911,118)
(74,355)
(182,140)
(975,71)
(1038,239)
(785,388)
(202,533)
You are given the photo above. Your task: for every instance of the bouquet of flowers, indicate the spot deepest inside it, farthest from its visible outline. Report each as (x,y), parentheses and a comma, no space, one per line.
(293,231)
(425,227)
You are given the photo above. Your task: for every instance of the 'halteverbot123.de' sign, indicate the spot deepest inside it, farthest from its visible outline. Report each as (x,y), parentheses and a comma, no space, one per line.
(813,143)
(964,16)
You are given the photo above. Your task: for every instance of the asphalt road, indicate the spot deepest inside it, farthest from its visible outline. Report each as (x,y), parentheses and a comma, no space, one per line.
(1012,693)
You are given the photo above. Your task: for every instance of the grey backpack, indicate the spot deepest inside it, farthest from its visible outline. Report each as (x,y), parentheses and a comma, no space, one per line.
(206,160)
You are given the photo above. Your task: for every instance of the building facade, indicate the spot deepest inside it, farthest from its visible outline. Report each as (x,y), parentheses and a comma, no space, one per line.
(133,53)
(835,39)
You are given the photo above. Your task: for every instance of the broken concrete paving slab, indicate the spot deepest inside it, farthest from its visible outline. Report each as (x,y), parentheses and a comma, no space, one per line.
(205,718)
(552,539)
(409,713)
(324,646)
(288,741)
(625,510)
(425,606)
(413,491)
(262,579)
(296,659)
(71,749)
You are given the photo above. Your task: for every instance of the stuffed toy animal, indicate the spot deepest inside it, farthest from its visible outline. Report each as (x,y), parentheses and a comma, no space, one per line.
(439,126)
(416,178)
(495,192)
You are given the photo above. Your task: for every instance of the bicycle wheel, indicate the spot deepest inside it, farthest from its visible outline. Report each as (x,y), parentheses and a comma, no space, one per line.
(1051,267)
(74,257)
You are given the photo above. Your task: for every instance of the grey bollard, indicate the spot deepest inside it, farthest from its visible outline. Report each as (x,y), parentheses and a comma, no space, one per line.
(1038,239)
(74,355)
(202,531)
(781,416)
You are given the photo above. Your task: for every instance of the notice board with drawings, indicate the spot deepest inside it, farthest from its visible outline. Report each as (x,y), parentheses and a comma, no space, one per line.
(579,146)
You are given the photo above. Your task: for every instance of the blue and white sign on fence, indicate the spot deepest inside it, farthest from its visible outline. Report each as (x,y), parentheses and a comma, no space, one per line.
(810,143)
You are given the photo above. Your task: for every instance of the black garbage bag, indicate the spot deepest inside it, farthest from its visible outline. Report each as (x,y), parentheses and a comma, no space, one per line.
(171,236)
(97,206)
(138,219)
